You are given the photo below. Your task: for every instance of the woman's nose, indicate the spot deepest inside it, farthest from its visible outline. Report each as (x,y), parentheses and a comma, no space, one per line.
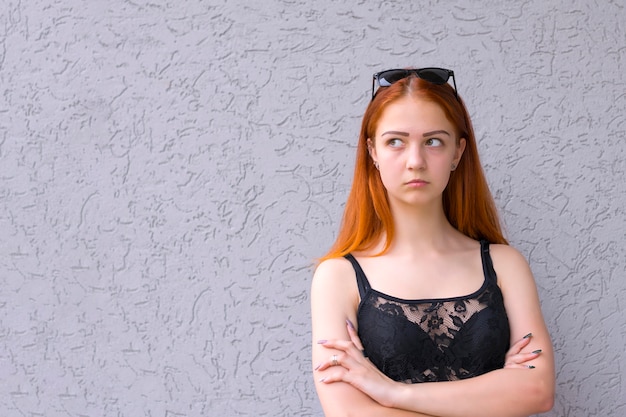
(415,157)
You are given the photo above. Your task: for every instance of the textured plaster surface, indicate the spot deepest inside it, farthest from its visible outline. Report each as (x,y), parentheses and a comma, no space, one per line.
(170,170)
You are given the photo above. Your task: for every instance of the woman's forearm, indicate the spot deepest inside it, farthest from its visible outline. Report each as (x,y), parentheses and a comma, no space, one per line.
(343,400)
(500,393)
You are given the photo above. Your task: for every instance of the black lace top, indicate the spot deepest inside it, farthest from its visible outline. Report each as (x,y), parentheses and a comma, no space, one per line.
(434,340)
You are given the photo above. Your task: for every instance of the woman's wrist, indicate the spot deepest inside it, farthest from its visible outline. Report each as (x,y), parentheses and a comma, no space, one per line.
(401,395)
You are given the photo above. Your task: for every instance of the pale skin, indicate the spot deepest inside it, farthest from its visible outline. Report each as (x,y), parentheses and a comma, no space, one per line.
(416,148)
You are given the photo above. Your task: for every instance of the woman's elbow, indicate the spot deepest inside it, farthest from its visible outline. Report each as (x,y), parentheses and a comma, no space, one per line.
(544,397)
(547,402)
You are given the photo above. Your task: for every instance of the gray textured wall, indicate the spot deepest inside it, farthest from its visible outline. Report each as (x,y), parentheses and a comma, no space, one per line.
(169,172)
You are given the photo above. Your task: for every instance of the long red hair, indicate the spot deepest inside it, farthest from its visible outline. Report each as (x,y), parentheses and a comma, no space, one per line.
(467,201)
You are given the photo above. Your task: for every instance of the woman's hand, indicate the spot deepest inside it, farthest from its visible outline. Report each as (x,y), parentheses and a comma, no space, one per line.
(514,358)
(353,367)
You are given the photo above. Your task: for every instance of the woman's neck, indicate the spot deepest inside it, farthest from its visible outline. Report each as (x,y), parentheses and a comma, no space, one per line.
(419,229)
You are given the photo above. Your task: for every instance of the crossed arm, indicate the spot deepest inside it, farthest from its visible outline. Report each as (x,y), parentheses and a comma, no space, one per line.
(524,387)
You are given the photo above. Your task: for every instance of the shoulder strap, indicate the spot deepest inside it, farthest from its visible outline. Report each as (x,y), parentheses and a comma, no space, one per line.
(361,279)
(490,273)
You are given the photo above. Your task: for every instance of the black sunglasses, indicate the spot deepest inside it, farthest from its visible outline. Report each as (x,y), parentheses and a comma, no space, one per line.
(438,76)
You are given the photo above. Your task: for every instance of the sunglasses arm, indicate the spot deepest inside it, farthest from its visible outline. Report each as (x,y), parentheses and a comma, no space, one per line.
(373,85)
(456,94)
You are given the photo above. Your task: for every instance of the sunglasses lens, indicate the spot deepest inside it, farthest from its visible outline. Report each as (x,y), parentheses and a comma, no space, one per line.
(434,75)
(386,78)
(438,76)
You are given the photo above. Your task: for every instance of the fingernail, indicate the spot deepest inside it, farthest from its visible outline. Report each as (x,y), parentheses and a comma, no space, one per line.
(321,342)
(318,366)
(536,351)
(528,335)
(323,379)
(531,367)
(349,323)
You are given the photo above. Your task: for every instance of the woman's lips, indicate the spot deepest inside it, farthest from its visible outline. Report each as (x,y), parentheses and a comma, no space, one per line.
(417,183)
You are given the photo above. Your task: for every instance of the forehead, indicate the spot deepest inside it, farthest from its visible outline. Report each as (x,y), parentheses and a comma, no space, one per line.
(413,115)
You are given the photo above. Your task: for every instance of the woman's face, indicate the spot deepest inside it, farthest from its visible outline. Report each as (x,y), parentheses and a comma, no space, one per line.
(416,148)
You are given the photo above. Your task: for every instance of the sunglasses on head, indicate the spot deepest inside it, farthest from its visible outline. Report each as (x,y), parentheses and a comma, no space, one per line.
(438,76)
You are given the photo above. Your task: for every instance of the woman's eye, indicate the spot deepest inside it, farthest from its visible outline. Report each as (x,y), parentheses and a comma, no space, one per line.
(434,142)
(394,143)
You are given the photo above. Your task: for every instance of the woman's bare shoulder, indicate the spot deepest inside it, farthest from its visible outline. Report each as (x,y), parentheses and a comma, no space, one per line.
(510,265)
(333,270)
(506,254)
(334,297)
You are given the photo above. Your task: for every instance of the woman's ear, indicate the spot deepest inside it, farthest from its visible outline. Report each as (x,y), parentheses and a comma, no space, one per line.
(460,148)
(371,149)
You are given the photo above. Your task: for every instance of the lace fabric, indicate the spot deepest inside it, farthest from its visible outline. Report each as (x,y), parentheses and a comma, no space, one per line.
(434,340)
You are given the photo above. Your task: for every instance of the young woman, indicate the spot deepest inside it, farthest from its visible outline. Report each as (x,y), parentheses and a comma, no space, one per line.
(421,308)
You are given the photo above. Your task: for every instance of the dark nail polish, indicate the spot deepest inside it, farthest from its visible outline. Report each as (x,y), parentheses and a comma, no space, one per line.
(528,335)
(349,323)
(321,342)
(531,367)
(318,366)
(536,351)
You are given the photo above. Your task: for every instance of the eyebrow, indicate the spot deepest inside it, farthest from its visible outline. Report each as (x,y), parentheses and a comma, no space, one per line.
(434,132)
(395,132)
